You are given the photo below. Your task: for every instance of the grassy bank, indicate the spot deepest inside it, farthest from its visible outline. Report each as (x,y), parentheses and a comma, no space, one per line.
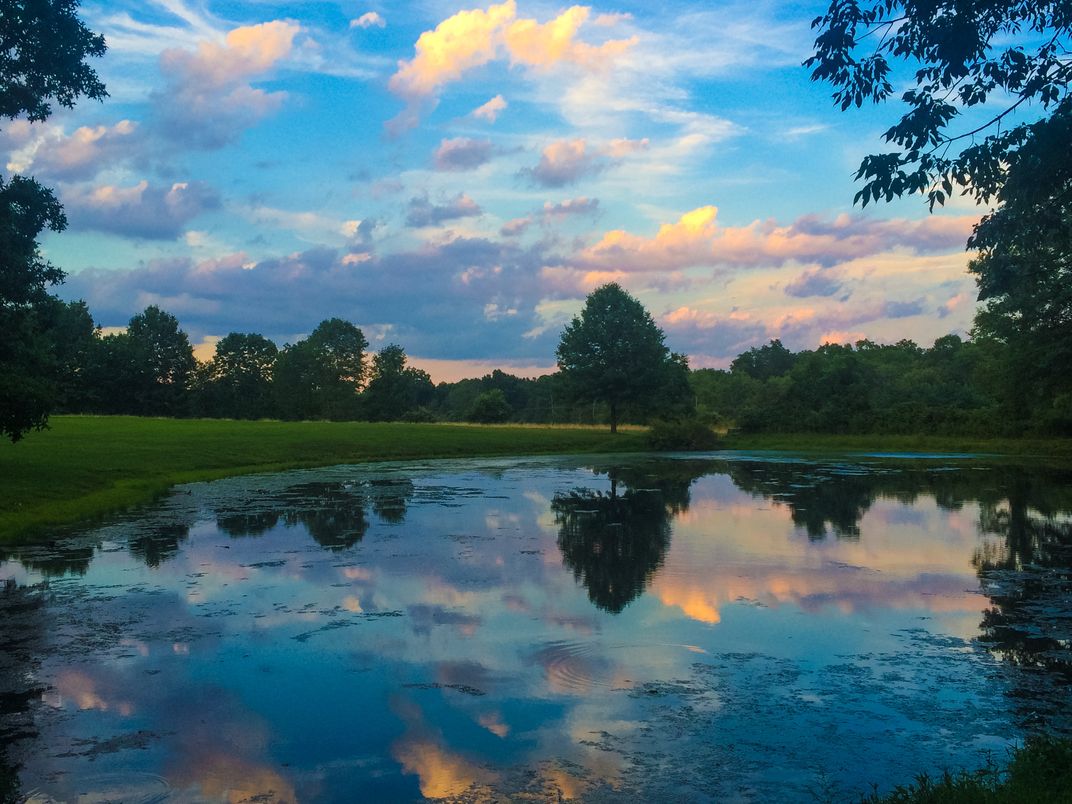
(1039,773)
(1048,448)
(86,466)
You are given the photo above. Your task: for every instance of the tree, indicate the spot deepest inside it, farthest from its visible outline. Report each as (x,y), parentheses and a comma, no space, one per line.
(970,51)
(394,389)
(764,362)
(490,407)
(613,352)
(339,349)
(239,377)
(43,46)
(163,362)
(319,377)
(1024,268)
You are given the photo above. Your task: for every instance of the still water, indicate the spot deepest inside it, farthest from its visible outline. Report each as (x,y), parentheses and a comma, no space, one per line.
(741,628)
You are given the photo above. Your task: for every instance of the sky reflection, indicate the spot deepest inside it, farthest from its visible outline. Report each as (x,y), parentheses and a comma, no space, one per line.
(537,627)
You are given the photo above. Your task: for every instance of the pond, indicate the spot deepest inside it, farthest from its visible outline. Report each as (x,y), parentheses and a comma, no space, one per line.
(738,627)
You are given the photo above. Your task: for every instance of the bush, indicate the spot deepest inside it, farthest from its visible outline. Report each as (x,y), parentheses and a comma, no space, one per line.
(684,434)
(490,407)
(421,415)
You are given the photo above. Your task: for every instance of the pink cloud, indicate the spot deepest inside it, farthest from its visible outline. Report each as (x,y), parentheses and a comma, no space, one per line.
(696,240)
(490,111)
(81,154)
(209,98)
(566,161)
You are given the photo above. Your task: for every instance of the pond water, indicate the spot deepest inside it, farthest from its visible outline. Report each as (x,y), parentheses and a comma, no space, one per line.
(744,627)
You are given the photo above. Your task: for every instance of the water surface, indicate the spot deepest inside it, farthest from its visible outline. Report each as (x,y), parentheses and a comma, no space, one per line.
(746,628)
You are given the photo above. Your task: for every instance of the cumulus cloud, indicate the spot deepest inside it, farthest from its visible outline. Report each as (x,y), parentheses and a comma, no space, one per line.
(475,37)
(490,111)
(144,210)
(568,160)
(462,153)
(564,162)
(370,19)
(50,153)
(208,99)
(696,239)
(423,212)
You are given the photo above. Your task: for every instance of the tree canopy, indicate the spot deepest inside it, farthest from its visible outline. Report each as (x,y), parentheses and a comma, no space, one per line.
(968,53)
(613,352)
(43,48)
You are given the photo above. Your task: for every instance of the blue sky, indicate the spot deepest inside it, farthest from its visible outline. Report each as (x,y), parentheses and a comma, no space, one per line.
(456,177)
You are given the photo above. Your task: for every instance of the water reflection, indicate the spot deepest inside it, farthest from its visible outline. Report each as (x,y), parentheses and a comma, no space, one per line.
(626,629)
(615,540)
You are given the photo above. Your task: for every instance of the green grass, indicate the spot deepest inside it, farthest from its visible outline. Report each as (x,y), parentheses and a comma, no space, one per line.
(1039,773)
(1047,448)
(86,466)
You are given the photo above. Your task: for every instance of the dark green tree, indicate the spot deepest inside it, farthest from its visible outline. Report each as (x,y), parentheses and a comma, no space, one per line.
(967,52)
(395,389)
(339,347)
(238,384)
(319,377)
(490,407)
(1024,272)
(613,352)
(42,61)
(764,362)
(72,336)
(296,383)
(163,362)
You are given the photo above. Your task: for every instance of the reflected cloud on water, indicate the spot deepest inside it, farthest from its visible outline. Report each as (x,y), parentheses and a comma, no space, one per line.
(542,628)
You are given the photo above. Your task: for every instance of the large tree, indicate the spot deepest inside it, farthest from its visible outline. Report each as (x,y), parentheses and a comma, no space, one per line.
(395,389)
(1009,55)
(239,377)
(163,362)
(319,377)
(43,47)
(1024,273)
(613,352)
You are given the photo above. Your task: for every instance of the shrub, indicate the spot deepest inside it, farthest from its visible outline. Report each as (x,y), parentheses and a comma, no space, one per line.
(683,434)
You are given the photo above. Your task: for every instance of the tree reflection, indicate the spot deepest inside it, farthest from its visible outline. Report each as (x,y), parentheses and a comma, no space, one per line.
(55,558)
(615,541)
(21,648)
(159,544)
(335,514)
(1028,577)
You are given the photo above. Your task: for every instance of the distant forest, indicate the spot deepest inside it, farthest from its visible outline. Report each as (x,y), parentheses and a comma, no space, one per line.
(962,387)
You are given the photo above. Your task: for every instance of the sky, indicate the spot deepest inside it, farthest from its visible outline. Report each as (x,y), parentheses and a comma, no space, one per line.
(456,177)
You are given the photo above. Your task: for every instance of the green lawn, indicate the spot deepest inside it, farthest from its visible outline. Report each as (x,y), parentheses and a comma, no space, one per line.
(85,466)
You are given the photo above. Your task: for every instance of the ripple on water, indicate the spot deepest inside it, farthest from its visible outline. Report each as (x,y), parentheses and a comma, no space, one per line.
(130,788)
(579,667)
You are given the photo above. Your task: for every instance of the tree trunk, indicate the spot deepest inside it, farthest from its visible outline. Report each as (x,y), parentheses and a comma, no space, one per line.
(613,417)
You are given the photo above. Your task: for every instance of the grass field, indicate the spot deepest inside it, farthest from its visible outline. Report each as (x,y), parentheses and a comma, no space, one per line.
(86,466)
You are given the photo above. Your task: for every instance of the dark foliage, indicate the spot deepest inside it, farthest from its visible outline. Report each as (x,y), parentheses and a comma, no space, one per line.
(682,435)
(613,352)
(968,52)
(43,48)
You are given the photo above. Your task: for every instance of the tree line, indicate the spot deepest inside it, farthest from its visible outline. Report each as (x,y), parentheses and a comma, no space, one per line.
(149,369)
(972,386)
(979,386)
